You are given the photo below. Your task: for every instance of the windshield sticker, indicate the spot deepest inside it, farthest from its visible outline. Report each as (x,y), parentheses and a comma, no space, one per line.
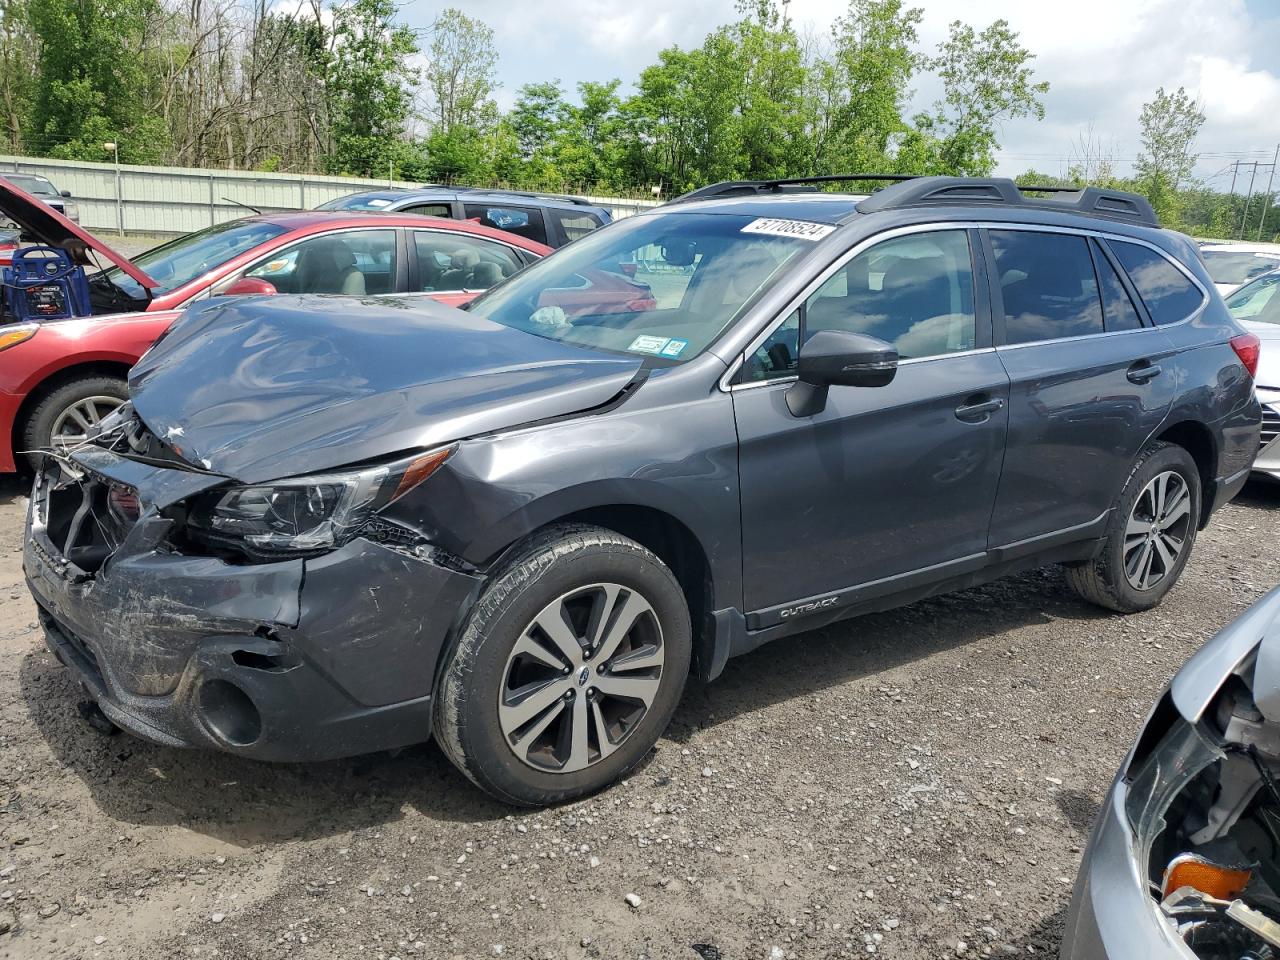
(800,229)
(673,348)
(647,344)
(379,202)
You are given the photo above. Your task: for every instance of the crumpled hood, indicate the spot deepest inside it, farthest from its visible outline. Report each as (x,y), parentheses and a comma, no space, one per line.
(262,388)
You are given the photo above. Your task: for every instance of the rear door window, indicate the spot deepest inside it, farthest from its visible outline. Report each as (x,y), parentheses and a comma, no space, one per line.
(522,221)
(1118,310)
(1169,294)
(455,261)
(1048,285)
(574,224)
(429,210)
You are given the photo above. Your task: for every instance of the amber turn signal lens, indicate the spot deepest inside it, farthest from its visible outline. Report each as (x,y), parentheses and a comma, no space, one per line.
(16,335)
(421,468)
(1191,870)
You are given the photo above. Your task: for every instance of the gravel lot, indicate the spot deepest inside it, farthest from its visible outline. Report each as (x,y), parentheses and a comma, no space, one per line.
(916,784)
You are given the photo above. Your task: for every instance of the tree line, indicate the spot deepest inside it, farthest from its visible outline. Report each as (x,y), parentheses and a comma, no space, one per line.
(345,87)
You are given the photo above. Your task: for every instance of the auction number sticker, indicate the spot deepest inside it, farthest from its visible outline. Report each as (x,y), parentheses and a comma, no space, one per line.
(800,229)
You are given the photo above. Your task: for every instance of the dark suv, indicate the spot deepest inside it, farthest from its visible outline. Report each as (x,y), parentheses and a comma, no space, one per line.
(545,218)
(326,527)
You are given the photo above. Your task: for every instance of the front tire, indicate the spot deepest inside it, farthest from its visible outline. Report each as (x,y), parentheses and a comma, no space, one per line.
(568,668)
(1149,536)
(63,417)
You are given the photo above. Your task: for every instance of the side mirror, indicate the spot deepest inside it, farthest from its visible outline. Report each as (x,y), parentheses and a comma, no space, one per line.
(65,194)
(835,358)
(250,287)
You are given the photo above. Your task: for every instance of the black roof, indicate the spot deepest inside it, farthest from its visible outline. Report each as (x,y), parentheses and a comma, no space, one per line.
(907,191)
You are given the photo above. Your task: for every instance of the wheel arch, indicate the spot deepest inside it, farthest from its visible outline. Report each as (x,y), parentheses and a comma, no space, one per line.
(669,538)
(1197,439)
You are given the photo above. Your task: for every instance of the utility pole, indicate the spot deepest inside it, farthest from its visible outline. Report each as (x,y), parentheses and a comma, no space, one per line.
(1248,197)
(1266,201)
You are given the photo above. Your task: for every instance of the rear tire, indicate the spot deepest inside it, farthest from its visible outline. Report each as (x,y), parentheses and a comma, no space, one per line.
(1149,536)
(68,409)
(534,714)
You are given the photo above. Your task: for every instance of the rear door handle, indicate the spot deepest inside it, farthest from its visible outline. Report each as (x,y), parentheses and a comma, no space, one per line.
(980,410)
(1143,371)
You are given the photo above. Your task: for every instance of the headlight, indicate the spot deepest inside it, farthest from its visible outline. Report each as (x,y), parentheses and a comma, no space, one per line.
(70,210)
(306,514)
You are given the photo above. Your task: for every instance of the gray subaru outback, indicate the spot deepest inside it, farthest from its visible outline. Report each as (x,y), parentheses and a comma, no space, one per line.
(327,526)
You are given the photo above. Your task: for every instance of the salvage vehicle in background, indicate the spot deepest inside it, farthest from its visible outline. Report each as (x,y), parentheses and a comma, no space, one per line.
(1184,860)
(1256,307)
(544,217)
(328,526)
(42,189)
(1232,265)
(58,378)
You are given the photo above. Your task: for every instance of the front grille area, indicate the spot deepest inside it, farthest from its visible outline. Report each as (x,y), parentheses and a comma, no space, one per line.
(1270,424)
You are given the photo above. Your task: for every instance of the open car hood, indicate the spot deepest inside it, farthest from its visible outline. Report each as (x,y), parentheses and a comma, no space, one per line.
(262,388)
(47,226)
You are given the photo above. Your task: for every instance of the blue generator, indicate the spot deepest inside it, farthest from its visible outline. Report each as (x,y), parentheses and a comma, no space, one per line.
(43,283)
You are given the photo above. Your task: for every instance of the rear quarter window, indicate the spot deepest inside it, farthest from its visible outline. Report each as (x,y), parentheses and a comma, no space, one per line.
(1169,294)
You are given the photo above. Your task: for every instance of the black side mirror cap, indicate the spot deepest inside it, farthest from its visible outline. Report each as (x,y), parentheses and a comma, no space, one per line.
(65,193)
(837,358)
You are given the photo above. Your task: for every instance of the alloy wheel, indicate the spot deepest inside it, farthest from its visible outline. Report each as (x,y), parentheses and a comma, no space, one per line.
(1157,531)
(72,425)
(581,677)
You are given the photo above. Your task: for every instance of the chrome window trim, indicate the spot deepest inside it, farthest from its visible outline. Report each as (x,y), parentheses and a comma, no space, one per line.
(726,385)
(792,378)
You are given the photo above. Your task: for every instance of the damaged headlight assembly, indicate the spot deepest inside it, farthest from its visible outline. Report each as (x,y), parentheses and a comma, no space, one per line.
(308,514)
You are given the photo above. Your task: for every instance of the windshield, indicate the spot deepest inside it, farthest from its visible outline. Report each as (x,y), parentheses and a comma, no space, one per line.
(180,261)
(358,201)
(1257,302)
(38,186)
(663,284)
(1235,266)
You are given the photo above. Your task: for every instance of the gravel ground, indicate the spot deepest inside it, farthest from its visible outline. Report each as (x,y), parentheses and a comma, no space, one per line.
(917,784)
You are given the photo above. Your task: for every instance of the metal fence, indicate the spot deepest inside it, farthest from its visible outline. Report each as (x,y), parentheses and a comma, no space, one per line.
(162,200)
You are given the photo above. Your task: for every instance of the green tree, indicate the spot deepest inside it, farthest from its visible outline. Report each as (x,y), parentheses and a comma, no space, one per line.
(461,73)
(987,79)
(93,78)
(1169,125)
(369,84)
(17,71)
(859,93)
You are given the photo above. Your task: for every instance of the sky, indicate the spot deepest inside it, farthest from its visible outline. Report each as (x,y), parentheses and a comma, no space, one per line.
(1102,58)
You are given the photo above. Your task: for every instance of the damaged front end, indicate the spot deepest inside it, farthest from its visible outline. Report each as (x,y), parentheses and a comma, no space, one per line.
(286,620)
(1184,860)
(1205,810)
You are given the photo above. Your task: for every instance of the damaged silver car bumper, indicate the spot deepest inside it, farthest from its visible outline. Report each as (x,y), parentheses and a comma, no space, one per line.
(284,660)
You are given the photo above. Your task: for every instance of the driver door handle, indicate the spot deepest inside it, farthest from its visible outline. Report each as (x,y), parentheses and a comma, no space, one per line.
(1143,371)
(979,411)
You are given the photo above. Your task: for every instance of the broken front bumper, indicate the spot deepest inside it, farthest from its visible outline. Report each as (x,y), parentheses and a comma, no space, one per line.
(300,659)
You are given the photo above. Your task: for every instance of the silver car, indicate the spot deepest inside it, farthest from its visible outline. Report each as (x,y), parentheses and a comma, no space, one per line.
(1256,306)
(1184,861)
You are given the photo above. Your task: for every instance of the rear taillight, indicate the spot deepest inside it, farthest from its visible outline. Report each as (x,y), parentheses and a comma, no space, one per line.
(1247,348)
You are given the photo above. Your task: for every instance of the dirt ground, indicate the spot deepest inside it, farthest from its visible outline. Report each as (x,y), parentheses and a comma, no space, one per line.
(917,784)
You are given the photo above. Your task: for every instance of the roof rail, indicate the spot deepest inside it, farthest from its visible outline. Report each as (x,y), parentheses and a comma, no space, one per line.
(744,188)
(999,191)
(531,194)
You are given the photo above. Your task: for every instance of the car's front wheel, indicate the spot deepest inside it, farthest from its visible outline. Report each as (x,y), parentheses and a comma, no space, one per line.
(568,668)
(1149,535)
(65,415)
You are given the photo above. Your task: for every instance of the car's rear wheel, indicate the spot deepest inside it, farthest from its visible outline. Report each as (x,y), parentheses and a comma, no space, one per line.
(1149,535)
(568,668)
(64,416)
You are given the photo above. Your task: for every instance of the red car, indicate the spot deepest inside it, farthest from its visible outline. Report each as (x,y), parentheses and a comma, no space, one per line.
(58,377)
